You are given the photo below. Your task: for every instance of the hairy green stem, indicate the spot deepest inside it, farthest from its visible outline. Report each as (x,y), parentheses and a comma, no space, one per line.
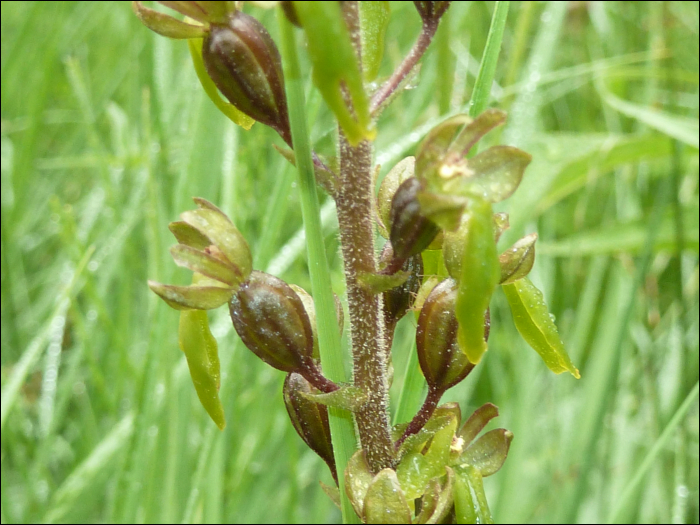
(354,204)
(342,432)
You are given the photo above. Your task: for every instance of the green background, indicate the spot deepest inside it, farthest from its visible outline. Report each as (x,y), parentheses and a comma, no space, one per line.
(106,134)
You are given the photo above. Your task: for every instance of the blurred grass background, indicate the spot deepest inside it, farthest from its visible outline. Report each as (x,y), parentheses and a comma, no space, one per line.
(106,135)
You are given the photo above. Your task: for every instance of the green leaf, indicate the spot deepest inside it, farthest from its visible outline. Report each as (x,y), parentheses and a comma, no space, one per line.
(166,25)
(429,502)
(535,324)
(378,283)
(357,480)
(350,398)
(480,274)
(489,452)
(413,473)
(192,297)
(385,501)
(680,128)
(232,112)
(335,64)
(374,19)
(332,492)
(476,422)
(330,349)
(516,262)
(415,470)
(470,499)
(441,418)
(202,354)
(445,500)
(438,455)
(201,262)
(465,510)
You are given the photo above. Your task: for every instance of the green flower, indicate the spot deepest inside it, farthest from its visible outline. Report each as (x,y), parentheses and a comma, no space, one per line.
(212,247)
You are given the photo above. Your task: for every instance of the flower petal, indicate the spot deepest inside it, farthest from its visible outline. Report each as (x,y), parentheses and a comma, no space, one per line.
(189,236)
(477,421)
(166,25)
(192,297)
(494,174)
(192,9)
(516,262)
(489,452)
(201,262)
(223,234)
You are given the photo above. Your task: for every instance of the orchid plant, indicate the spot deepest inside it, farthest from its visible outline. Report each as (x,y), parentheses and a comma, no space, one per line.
(439,260)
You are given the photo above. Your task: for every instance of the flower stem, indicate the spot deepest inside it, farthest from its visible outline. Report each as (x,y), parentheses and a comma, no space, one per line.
(342,431)
(354,204)
(423,415)
(417,51)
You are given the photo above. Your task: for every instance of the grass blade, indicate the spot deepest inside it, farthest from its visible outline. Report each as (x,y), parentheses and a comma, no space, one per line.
(342,431)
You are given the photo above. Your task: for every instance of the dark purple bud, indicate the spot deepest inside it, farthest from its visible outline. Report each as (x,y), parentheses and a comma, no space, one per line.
(271,321)
(441,359)
(310,419)
(399,300)
(244,63)
(411,231)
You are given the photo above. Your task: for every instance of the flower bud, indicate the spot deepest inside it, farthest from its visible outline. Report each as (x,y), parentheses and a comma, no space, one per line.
(516,262)
(501,223)
(271,321)
(403,171)
(244,63)
(442,361)
(411,232)
(311,312)
(310,419)
(399,300)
